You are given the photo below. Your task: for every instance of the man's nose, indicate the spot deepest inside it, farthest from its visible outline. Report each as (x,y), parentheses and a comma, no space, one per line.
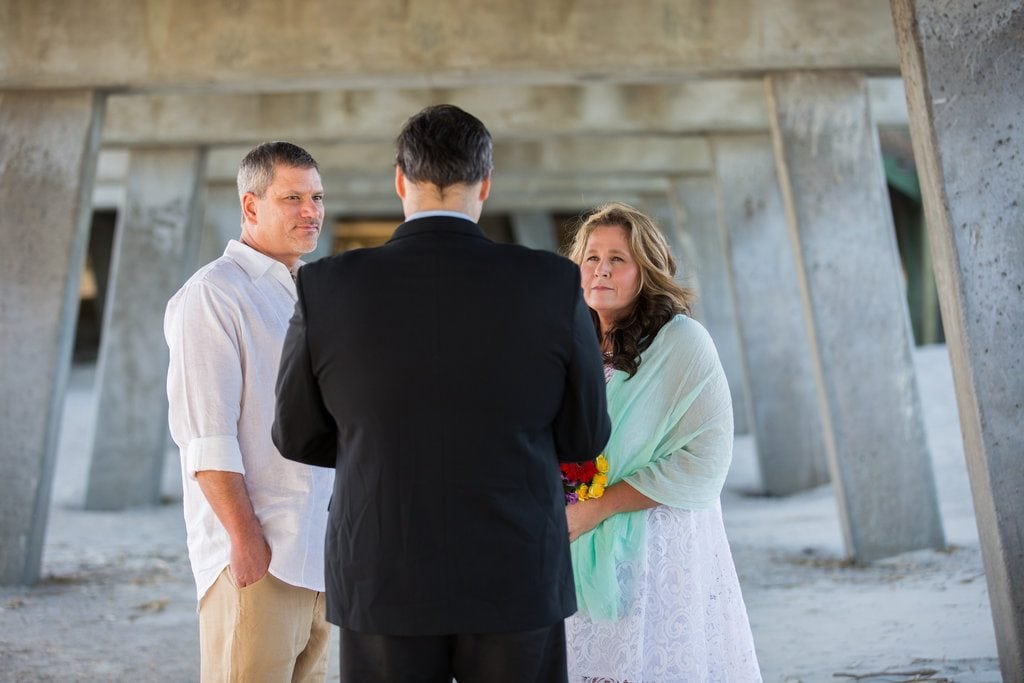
(310,208)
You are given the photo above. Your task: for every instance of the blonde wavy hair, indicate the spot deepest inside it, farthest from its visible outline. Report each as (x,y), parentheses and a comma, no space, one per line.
(660,296)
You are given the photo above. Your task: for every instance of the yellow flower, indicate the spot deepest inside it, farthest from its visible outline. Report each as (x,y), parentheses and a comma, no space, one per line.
(596,490)
(599,480)
(602,463)
(583,492)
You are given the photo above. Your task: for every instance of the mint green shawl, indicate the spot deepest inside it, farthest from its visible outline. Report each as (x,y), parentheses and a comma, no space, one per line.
(671,440)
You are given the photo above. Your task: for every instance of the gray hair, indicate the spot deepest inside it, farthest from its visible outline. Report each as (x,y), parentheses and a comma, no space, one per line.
(256,172)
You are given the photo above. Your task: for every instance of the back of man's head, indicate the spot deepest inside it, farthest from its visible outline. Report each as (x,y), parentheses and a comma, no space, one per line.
(444,145)
(256,172)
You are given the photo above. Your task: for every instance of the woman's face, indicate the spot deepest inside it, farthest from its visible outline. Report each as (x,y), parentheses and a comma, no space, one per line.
(610,275)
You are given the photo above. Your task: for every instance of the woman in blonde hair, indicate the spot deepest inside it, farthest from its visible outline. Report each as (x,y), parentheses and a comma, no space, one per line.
(658,595)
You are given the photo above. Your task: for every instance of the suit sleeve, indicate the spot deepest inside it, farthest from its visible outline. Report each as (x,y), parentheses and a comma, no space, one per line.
(303,430)
(582,427)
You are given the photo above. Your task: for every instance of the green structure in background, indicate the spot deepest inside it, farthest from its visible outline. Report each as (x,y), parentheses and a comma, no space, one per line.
(915,253)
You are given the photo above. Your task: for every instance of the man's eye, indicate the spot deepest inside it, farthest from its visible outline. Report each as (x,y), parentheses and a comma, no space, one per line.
(318,197)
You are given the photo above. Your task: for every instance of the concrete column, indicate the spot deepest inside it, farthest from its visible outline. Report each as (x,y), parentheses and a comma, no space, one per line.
(155,250)
(786,416)
(665,210)
(49,144)
(695,212)
(837,206)
(963,67)
(222,221)
(534,229)
(658,205)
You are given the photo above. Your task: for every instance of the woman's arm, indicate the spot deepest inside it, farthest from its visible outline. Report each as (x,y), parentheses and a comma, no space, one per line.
(694,396)
(587,514)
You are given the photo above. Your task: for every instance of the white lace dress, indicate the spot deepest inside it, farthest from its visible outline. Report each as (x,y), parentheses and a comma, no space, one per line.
(684,619)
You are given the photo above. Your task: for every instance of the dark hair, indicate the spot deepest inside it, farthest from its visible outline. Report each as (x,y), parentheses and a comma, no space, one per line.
(660,297)
(445,146)
(256,172)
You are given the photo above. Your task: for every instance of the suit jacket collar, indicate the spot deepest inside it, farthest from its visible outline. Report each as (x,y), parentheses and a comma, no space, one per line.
(450,224)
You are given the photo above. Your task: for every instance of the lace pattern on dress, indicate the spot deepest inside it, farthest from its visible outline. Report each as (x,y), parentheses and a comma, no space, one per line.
(683,620)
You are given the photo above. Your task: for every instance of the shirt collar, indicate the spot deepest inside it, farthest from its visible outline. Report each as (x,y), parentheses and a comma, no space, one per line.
(257,264)
(438,212)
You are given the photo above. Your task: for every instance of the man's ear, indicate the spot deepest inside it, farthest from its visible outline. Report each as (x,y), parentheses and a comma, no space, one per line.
(399,182)
(485,188)
(249,208)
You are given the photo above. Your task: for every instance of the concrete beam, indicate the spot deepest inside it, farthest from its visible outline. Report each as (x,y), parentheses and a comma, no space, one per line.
(48,147)
(840,223)
(320,44)
(156,248)
(965,84)
(580,155)
(509,111)
(568,174)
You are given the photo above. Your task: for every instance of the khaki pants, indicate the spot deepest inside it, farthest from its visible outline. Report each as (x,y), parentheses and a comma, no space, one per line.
(268,631)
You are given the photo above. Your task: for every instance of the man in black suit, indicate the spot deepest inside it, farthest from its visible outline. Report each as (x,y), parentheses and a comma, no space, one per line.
(444,376)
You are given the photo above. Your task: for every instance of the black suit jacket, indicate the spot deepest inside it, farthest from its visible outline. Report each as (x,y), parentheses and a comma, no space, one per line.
(443,376)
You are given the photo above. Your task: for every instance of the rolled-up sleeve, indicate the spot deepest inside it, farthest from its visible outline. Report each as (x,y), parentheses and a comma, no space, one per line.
(204,378)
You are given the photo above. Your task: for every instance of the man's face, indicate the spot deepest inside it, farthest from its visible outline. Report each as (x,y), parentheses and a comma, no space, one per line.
(285,223)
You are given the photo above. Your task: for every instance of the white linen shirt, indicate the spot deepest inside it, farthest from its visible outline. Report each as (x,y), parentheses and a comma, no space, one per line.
(225,329)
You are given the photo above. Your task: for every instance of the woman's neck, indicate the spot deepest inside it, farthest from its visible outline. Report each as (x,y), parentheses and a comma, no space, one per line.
(606,326)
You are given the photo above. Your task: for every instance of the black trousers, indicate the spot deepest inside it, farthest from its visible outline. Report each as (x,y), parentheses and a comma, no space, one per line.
(522,657)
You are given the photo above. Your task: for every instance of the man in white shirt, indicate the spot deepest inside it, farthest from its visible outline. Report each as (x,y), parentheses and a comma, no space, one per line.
(255,521)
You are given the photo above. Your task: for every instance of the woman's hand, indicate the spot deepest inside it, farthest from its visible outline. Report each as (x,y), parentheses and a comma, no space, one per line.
(584,516)
(619,497)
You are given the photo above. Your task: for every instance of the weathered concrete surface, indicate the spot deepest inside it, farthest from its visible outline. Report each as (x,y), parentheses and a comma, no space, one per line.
(156,248)
(659,206)
(833,185)
(582,155)
(222,221)
(154,44)
(784,408)
(534,229)
(49,143)
(695,211)
(351,191)
(964,71)
(510,111)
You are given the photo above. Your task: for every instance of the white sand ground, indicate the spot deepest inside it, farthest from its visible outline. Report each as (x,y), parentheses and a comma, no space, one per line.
(117,602)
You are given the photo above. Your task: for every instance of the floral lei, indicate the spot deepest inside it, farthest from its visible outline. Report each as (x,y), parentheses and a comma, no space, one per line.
(584,480)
